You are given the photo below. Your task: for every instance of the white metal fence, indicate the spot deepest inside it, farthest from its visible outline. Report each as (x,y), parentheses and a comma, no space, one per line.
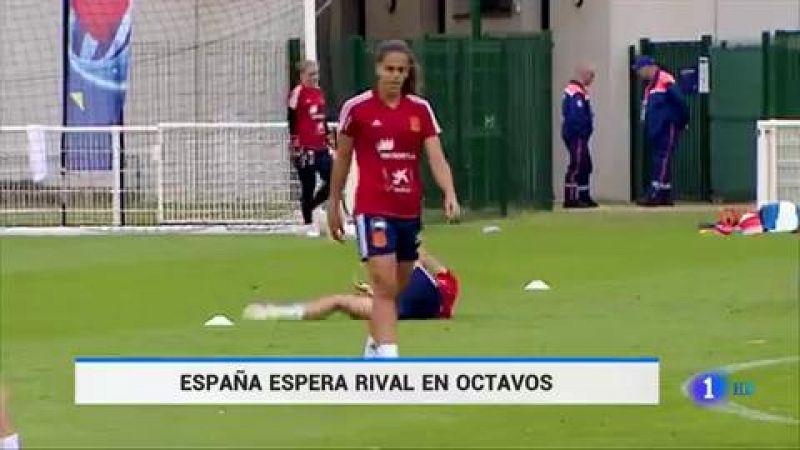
(169,174)
(778,161)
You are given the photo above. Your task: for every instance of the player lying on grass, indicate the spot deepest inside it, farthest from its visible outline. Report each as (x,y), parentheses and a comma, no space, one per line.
(775,217)
(431,293)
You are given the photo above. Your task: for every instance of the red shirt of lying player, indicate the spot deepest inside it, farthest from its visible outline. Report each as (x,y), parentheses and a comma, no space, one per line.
(447,284)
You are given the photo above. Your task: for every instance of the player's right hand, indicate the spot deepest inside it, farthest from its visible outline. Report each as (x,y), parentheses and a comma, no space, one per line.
(294,147)
(452,210)
(335,221)
(363,288)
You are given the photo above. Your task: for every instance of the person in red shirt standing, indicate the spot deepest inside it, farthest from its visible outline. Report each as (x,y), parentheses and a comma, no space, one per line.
(308,131)
(387,127)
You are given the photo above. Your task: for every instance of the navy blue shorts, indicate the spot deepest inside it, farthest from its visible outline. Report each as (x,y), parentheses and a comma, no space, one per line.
(385,236)
(420,299)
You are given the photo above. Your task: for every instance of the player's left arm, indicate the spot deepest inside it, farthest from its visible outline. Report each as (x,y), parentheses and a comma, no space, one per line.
(443,175)
(430,129)
(363,288)
(430,263)
(291,117)
(676,97)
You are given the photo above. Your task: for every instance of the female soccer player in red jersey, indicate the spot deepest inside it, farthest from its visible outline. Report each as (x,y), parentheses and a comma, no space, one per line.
(387,127)
(309,140)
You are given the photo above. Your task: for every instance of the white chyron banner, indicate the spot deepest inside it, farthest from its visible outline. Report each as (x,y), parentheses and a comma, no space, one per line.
(324,380)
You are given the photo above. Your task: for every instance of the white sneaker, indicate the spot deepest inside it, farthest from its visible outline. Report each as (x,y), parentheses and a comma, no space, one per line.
(320,222)
(313,231)
(310,230)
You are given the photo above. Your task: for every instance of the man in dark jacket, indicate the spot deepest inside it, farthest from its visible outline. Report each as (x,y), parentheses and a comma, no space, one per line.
(576,129)
(665,114)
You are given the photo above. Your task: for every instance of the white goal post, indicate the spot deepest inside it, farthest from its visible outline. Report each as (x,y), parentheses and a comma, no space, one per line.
(778,161)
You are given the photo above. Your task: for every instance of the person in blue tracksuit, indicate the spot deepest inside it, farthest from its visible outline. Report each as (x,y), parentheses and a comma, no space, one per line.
(576,129)
(665,115)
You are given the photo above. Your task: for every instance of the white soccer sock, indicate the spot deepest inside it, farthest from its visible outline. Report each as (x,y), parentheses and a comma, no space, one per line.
(10,442)
(370,347)
(267,311)
(292,312)
(387,351)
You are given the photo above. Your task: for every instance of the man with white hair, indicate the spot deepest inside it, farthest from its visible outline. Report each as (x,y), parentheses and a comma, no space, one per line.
(576,129)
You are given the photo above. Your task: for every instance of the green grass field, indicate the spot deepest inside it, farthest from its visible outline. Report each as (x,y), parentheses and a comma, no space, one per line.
(624,284)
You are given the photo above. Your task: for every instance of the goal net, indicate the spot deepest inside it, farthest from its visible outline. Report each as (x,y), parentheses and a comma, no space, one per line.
(225,173)
(191,174)
(778,161)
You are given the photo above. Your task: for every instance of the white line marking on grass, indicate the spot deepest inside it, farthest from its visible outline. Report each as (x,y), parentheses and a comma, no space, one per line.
(741,410)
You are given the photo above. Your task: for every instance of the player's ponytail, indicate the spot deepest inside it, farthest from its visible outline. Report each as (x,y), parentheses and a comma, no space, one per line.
(411,85)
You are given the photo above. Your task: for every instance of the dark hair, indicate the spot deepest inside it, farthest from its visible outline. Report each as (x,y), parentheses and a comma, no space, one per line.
(410,86)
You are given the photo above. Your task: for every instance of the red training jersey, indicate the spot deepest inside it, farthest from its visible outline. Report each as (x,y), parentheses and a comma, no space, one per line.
(308,106)
(387,143)
(447,285)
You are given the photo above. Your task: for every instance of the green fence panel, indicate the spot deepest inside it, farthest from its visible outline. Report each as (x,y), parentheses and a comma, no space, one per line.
(783,65)
(691,165)
(441,60)
(346,75)
(363,72)
(485,122)
(736,83)
(733,165)
(639,164)
(735,104)
(529,116)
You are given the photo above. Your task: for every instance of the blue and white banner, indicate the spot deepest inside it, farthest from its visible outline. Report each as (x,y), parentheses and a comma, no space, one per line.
(325,380)
(96,77)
